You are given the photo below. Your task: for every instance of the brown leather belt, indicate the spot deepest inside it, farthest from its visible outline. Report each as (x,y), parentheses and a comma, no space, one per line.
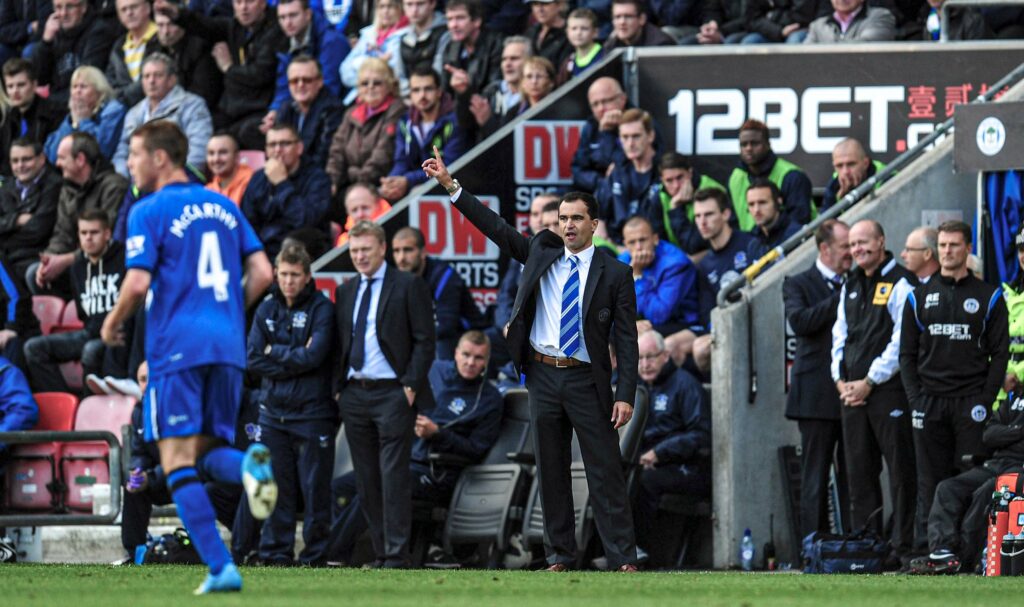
(561,363)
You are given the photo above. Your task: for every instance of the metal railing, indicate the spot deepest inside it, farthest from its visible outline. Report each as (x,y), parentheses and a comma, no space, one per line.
(113,463)
(948,4)
(857,194)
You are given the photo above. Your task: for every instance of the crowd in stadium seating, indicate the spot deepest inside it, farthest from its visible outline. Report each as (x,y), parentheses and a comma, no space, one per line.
(345,107)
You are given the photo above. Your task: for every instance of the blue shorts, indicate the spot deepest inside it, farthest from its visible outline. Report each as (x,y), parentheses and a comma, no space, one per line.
(201,400)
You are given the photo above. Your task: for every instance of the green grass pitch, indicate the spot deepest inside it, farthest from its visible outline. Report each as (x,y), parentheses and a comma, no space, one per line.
(27,585)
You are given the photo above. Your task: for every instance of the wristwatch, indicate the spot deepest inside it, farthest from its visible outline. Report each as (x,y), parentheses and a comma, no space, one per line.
(454,187)
(870,382)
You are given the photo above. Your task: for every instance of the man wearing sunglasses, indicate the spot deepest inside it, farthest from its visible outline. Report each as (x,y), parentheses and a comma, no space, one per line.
(313,109)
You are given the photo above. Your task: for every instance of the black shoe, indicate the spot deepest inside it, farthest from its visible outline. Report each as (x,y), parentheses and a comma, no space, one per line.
(374,564)
(939,562)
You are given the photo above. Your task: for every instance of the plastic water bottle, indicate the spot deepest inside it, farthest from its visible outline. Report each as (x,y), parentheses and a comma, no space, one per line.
(747,551)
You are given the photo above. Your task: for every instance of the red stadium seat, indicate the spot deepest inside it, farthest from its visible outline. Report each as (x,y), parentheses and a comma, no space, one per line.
(69,320)
(72,373)
(32,479)
(254,159)
(48,309)
(86,464)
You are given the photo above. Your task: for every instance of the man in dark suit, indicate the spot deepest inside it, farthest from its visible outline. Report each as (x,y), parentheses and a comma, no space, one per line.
(571,303)
(811,299)
(383,382)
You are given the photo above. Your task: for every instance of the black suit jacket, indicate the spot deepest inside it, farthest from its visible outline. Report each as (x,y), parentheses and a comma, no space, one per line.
(405,329)
(609,301)
(811,307)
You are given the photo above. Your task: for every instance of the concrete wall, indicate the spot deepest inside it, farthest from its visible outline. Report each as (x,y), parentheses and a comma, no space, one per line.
(747,477)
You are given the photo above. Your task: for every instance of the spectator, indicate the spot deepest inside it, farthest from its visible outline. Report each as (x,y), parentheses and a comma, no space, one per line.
(479,113)
(454,308)
(504,17)
(852,21)
(722,22)
(664,278)
(309,35)
(311,109)
(22,26)
(538,81)
(384,368)
(670,203)
(362,203)
(548,31)
(96,276)
(464,424)
(865,369)
(599,146)
(92,109)
(381,40)
(18,408)
(771,226)
(951,377)
(228,176)
(630,27)
(964,23)
(603,10)
(469,57)
(245,50)
(19,323)
(675,450)
(288,193)
(289,346)
(27,115)
(420,41)
(166,100)
(920,253)
(626,190)
(89,183)
(852,167)
(124,67)
(72,37)
(197,71)
(725,259)
(581,32)
(758,160)
(811,298)
(28,206)
(777,20)
(430,123)
(363,147)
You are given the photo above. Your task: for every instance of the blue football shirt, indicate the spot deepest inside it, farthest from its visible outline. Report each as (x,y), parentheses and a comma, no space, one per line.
(192,241)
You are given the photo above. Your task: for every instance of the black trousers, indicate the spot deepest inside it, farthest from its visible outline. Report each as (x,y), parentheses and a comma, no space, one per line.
(678,479)
(944,431)
(881,429)
(957,520)
(302,456)
(562,400)
(379,428)
(821,442)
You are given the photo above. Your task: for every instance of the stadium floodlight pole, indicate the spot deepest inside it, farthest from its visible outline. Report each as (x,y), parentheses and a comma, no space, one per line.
(855,195)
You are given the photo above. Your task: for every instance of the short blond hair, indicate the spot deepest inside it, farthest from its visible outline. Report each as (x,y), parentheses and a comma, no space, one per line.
(381,67)
(94,78)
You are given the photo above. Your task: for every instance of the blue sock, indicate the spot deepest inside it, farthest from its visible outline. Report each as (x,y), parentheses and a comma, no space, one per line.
(196,512)
(222,464)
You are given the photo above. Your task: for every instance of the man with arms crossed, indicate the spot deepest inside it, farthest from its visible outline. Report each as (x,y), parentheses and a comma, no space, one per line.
(188,244)
(571,303)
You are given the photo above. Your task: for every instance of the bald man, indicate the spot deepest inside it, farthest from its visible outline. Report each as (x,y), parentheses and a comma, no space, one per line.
(599,145)
(852,167)
(920,253)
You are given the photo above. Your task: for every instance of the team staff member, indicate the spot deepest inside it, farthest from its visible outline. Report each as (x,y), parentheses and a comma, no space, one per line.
(865,369)
(571,305)
(289,350)
(1014,294)
(811,299)
(953,358)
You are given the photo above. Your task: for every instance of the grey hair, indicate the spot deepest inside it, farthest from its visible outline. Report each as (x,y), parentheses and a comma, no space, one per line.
(519,40)
(169,64)
(659,340)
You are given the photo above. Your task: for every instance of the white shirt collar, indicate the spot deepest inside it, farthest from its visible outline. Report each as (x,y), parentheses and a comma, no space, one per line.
(825,271)
(378,274)
(585,256)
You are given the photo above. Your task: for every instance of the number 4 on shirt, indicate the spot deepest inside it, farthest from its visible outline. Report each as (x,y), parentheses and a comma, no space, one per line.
(211,272)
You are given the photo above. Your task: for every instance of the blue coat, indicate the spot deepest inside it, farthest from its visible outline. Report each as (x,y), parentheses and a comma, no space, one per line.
(329,46)
(295,377)
(318,126)
(666,292)
(777,234)
(410,153)
(624,194)
(678,417)
(297,202)
(454,309)
(18,409)
(105,127)
(596,150)
(468,414)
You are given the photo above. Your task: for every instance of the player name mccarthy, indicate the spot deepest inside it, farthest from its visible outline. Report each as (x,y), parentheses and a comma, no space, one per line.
(195,212)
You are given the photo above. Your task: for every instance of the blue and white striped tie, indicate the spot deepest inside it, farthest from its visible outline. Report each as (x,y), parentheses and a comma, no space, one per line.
(569,334)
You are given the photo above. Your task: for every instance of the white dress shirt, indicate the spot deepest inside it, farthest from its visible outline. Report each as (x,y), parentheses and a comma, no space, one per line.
(547,324)
(375,366)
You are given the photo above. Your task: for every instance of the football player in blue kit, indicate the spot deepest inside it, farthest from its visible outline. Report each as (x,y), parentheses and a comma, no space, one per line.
(201,261)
